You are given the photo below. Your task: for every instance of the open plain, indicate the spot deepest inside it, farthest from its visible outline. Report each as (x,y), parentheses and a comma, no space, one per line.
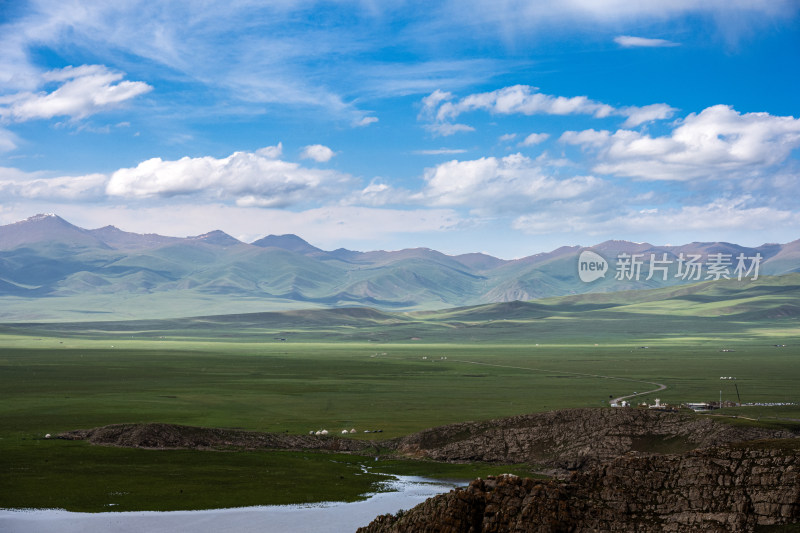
(384,375)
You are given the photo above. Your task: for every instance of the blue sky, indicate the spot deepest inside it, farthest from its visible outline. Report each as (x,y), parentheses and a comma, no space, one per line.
(505,127)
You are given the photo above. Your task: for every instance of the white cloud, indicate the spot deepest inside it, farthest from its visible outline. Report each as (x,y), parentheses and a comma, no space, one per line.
(16,184)
(717,215)
(248,178)
(17,73)
(713,218)
(8,141)
(508,137)
(717,143)
(377,194)
(445,129)
(248,52)
(521,99)
(317,152)
(516,19)
(431,102)
(535,138)
(588,137)
(400,78)
(649,113)
(440,108)
(512,183)
(275,61)
(83,91)
(366,121)
(629,41)
(271,152)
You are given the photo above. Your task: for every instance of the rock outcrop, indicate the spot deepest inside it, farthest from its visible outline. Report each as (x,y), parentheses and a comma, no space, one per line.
(728,489)
(571,439)
(559,441)
(164,436)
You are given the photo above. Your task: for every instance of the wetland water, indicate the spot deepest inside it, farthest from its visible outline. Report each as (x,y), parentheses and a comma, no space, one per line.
(402,492)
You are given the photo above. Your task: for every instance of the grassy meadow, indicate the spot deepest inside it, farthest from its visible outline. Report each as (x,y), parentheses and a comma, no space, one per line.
(340,369)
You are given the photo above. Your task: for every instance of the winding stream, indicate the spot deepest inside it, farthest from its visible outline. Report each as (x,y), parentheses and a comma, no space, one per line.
(404,492)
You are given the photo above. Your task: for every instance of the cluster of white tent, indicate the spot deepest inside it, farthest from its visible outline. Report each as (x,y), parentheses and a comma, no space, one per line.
(325,432)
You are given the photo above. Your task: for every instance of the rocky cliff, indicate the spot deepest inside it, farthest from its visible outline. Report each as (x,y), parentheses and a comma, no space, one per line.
(559,441)
(575,438)
(732,488)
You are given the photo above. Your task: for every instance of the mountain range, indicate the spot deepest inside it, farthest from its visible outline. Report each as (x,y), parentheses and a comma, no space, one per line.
(49,266)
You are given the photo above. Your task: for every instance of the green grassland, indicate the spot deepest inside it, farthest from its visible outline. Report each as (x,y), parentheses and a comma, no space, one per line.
(355,368)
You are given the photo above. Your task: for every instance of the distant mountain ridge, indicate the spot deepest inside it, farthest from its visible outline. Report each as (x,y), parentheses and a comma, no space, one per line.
(45,256)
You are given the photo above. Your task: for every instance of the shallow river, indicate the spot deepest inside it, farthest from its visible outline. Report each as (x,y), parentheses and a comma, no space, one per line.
(329,517)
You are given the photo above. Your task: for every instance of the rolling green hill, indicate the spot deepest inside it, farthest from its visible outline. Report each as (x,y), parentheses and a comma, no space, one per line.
(51,269)
(767,307)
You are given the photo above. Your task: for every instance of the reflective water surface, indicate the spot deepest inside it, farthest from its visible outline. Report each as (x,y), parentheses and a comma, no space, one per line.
(327,517)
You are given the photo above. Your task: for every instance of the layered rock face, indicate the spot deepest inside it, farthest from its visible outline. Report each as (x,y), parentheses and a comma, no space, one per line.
(721,489)
(574,438)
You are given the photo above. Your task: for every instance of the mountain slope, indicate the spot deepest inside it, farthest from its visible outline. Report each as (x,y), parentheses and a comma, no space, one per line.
(47,257)
(757,312)
(290,242)
(46,228)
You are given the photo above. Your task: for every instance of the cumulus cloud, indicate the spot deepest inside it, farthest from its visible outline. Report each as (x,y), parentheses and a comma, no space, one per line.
(535,138)
(490,184)
(82,91)
(628,41)
(377,194)
(521,99)
(271,152)
(317,152)
(717,142)
(366,121)
(428,113)
(649,113)
(441,109)
(586,138)
(431,102)
(248,178)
